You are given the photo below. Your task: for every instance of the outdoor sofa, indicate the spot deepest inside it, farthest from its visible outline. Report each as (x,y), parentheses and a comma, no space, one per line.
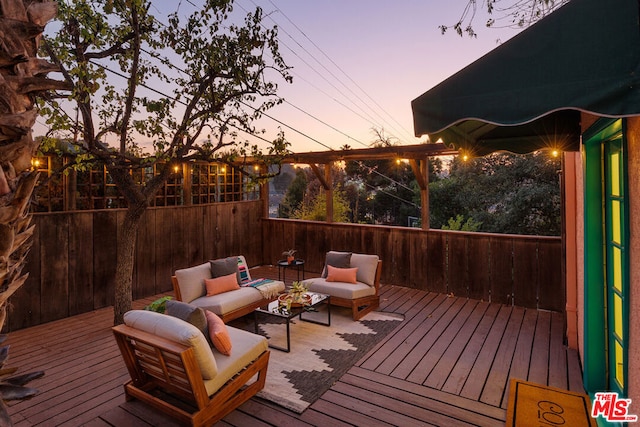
(233,301)
(352,280)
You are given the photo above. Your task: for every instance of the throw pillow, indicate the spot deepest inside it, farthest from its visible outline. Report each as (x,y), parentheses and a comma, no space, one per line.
(346,275)
(221,284)
(224,266)
(336,259)
(188,313)
(218,333)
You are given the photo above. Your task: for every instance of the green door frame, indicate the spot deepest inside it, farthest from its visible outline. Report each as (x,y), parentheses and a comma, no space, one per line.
(596,360)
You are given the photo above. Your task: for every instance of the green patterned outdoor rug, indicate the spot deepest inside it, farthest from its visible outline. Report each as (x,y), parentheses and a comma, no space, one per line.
(319,355)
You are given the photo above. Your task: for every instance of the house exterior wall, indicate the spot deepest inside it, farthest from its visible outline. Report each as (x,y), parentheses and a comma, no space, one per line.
(633,157)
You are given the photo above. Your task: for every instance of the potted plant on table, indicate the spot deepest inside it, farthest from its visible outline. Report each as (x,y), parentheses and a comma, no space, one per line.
(290,255)
(296,295)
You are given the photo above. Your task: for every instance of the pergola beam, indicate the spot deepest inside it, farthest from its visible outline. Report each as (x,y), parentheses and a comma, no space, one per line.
(419,151)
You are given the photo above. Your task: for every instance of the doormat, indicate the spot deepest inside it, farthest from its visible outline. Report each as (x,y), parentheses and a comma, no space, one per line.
(319,355)
(534,405)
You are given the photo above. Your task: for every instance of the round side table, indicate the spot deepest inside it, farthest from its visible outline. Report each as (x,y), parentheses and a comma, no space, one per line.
(296,263)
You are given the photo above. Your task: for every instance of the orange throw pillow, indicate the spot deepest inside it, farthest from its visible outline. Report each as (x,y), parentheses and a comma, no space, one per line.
(222,284)
(218,333)
(347,275)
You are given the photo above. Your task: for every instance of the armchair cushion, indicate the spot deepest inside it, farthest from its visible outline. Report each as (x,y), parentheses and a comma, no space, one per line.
(221,284)
(246,348)
(347,275)
(191,281)
(178,330)
(367,265)
(336,259)
(343,290)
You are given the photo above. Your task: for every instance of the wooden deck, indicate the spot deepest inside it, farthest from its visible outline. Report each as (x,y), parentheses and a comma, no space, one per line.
(447,364)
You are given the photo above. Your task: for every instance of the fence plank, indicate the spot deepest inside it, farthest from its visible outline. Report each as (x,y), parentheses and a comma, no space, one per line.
(144,279)
(436,278)
(164,267)
(458,264)
(501,250)
(105,243)
(549,262)
(478,264)
(54,267)
(525,273)
(80,271)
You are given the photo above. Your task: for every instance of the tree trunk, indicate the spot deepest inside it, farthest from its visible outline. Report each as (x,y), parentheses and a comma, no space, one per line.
(127,236)
(22,78)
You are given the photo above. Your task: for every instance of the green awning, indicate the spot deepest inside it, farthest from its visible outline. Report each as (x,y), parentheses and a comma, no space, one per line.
(527,93)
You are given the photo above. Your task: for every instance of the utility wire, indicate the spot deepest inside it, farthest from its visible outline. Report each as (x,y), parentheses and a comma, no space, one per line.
(372,121)
(338,67)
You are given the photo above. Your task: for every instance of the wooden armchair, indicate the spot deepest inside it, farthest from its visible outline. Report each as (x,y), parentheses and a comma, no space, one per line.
(363,305)
(167,375)
(363,296)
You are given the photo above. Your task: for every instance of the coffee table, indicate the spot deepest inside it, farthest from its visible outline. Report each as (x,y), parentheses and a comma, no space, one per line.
(275,308)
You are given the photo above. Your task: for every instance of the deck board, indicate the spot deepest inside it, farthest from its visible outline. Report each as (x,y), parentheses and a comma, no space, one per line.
(448,364)
(482,364)
(435,354)
(441,371)
(497,380)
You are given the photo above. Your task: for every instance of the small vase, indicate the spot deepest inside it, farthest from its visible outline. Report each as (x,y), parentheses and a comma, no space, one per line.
(290,259)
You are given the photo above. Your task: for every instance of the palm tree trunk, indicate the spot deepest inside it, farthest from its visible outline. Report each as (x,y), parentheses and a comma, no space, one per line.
(21,23)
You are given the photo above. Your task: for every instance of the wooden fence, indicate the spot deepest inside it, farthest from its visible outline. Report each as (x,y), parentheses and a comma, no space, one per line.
(520,270)
(72,262)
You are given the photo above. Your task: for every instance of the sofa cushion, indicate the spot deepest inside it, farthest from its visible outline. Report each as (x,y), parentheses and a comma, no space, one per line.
(189,313)
(177,330)
(246,348)
(340,289)
(218,285)
(224,266)
(218,333)
(347,275)
(367,265)
(191,281)
(226,302)
(336,259)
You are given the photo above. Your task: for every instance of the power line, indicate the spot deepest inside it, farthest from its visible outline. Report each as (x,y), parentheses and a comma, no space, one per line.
(338,67)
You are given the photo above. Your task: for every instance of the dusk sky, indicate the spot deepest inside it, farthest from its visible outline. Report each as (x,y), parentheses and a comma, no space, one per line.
(374,58)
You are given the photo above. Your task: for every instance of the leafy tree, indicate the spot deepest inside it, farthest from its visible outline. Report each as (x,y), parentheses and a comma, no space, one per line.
(316,209)
(122,62)
(294,195)
(506,193)
(460,224)
(514,14)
